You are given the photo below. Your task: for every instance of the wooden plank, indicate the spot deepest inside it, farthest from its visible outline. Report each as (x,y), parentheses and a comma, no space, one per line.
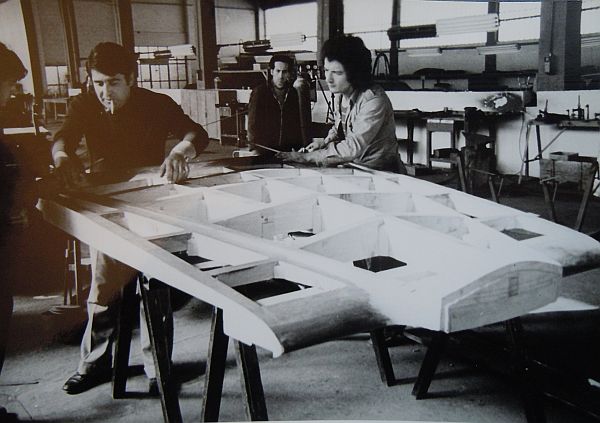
(245,274)
(149,258)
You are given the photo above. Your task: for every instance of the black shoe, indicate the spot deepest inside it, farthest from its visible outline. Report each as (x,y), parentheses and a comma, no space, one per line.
(79,383)
(153,390)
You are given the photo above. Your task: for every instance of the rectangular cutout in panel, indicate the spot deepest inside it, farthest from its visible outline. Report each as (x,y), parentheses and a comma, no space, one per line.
(300,234)
(378,263)
(268,288)
(520,234)
(190,258)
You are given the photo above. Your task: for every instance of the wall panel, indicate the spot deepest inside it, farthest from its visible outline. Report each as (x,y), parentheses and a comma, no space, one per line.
(159,24)
(53,34)
(95,23)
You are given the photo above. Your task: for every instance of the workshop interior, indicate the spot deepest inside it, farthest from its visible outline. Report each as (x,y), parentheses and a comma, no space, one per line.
(465,287)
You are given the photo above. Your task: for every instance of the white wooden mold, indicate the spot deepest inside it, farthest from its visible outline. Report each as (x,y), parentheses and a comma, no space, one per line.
(369,249)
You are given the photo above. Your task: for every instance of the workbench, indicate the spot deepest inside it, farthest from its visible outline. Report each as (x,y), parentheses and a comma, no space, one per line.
(580,170)
(562,125)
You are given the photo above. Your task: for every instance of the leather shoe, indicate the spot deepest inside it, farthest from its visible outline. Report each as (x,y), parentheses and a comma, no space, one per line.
(79,383)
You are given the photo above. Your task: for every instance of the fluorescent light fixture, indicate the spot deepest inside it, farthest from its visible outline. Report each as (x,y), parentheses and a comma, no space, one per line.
(498,49)
(284,40)
(590,41)
(468,24)
(182,50)
(422,52)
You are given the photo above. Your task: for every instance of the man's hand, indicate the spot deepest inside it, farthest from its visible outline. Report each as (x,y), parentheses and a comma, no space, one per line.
(292,156)
(175,167)
(70,174)
(317,144)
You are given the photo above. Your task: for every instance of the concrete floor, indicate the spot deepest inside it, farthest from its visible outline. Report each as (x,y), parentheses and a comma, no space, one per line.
(337,380)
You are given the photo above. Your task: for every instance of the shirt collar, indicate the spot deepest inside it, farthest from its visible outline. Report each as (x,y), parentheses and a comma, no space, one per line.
(351,100)
(354,97)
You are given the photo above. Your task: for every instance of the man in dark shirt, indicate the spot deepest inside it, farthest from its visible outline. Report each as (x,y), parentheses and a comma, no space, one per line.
(11,71)
(124,127)
(274,110)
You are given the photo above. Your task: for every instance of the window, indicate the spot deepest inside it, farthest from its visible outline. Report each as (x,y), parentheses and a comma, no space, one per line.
(165,72)
(519,21)
(369,21)
(415,12)
(57,81)
(300,18)
(590,16)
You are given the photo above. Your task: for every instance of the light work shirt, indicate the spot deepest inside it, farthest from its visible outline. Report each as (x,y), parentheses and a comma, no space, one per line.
(365,134)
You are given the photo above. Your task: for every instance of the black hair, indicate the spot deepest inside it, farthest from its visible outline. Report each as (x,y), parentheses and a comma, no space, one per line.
(352,53)
(111,59)
(11,68)
(282,58)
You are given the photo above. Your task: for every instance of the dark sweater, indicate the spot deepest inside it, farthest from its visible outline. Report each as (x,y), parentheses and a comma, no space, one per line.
(272,124)
(134,136)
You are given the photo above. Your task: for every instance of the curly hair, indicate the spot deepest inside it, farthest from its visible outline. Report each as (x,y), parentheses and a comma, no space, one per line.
(281,58)
(11,68)
(111,59)
(352,53)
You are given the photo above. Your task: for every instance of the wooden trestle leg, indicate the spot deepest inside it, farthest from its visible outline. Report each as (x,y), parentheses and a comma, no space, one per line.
(252,388)
(247,362)
(382,355)
(156,300)
(530,394)
(429,365)
(128,310)
(215,369)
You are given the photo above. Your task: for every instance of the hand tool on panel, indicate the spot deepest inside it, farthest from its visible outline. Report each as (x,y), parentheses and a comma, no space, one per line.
(264,147)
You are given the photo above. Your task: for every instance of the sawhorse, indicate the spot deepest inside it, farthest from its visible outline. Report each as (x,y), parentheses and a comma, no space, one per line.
(246,358)
(157,308)
(247,361)
(530,394)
